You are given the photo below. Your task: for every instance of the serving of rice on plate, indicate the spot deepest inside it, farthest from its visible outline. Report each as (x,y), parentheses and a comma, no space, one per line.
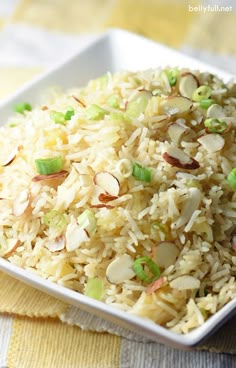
(125,191)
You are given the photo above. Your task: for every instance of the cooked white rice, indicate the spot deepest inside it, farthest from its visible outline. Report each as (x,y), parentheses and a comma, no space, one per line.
(192,209)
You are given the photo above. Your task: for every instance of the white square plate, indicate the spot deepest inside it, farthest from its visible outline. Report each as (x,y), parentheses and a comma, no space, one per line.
(113,51)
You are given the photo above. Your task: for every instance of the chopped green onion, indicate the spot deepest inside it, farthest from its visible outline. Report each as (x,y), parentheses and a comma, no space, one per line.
(141,173)
(172,75)
(58,117)
(55,220)
(87,220)
(137,106)
(113,101)
(22,107)
(214,125)
(201,93)
(150,264)
(117,116)
(232,178)
(46,166)
(95,112)
(69,113)
(94,288)
(205,103)
(12,125)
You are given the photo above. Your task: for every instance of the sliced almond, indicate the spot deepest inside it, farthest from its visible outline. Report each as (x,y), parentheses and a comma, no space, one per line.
(108,182)
(11,157)
(57,244)
(215,111)
(185,283)
(21,203)
(212,142)
(174,105)
(175,132)
(79,101)
(155,285)
(188,83)
(75,236)
(178,158)
(165,254)
(120,270)
(105,197)
(11,245)
(190,205)
(58,175)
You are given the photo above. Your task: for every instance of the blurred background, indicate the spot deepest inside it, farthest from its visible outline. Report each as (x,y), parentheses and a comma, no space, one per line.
(35,34)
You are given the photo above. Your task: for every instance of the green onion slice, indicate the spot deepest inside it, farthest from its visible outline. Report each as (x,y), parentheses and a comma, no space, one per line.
(46,166)
(95,112)
(69,113)
(55,220)
(214,125)
(137,106)
(232,178)
(113,101)
(87,220)
(172,75)
(138,268)
(205,103)
(58,117)
(201,93)
(94,288)
(22,107)
(141,173)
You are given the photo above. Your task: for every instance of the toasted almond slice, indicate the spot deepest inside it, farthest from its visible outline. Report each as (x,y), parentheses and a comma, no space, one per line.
(105,197)
(79,101)
(155,285)
(11,245)
(108,182)
(173,105)
(58,175)
(215,111)
(165,254)
(175,132)
(120,270)
(190,205)
(178,158)
(57,244)
(185,283)
(188,83)
(21,203)
(75,236)
(11,157)
(212,142)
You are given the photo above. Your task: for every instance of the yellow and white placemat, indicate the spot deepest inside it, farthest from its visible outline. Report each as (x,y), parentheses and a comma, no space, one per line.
(37,330)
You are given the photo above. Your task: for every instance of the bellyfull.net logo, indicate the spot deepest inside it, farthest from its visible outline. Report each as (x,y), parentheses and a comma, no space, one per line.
(209,8)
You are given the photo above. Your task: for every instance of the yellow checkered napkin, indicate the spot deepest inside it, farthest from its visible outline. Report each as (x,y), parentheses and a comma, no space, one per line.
(31,330)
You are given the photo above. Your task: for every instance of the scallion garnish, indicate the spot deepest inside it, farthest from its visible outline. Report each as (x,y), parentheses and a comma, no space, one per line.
(172,75)
(138,268)
(22,107)
(141,173)
(95,112)
(87,220)
(214,125)
(94,288)
(46,166)
(113,101)
(205,103)
(232,178)
(201,93)
(69,113)
(58,117)
(55,220)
